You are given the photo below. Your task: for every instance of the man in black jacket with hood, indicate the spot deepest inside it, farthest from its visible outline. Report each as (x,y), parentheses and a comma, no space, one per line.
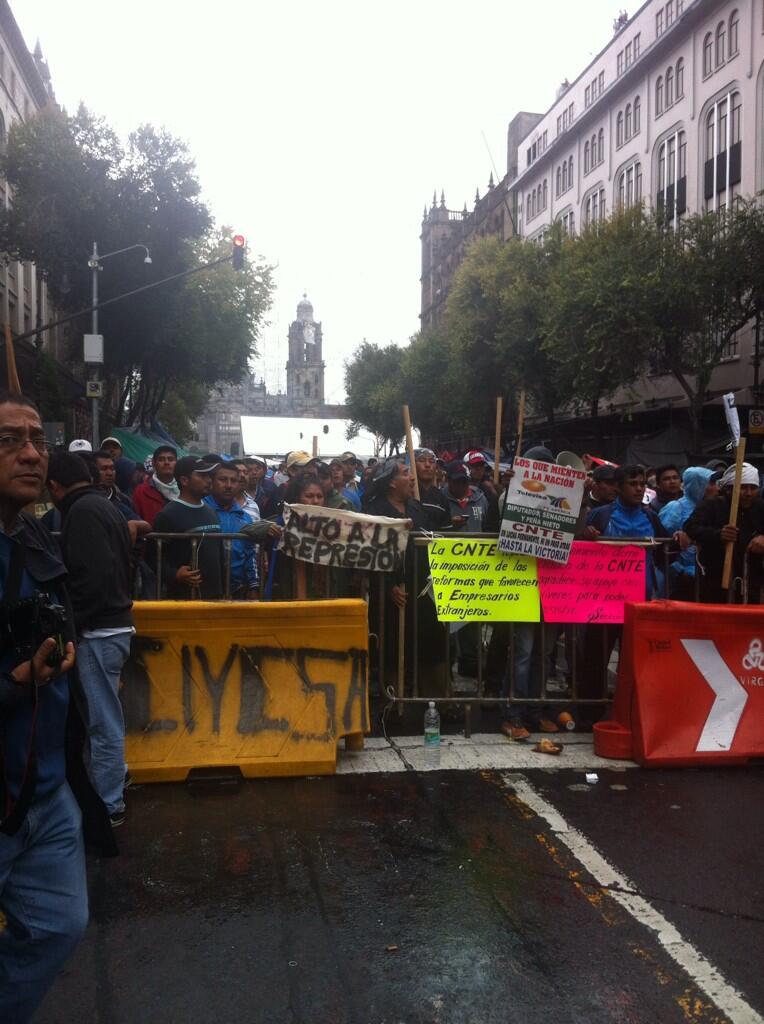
(96,546)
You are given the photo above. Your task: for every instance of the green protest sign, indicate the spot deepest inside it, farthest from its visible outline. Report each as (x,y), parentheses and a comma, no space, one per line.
(473,581)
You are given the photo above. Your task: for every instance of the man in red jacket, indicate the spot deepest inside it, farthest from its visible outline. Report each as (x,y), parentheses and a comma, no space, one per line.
(150,497)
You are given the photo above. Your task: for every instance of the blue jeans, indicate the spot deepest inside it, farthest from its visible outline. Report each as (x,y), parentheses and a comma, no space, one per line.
(43,902)
(100,664)
(528,671)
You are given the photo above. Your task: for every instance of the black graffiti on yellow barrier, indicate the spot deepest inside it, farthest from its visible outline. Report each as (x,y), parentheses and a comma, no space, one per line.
(255,691)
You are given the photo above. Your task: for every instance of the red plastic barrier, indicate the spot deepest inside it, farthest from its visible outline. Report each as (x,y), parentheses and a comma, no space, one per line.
(690,686)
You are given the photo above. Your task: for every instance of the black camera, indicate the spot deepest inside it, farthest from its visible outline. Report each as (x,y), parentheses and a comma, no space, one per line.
(25,624)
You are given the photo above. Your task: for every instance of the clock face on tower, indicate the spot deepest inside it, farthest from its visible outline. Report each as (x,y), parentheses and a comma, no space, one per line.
(309,334)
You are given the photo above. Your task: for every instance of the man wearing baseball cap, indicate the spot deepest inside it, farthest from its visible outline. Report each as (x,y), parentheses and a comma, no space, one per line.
(433,501)
(351,490)
(79,444)
(478,466)
(190,570)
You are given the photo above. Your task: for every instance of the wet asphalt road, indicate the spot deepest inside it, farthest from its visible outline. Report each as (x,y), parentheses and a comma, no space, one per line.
(437,898)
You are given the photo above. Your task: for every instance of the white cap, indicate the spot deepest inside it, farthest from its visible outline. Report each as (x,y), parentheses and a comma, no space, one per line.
(80,445)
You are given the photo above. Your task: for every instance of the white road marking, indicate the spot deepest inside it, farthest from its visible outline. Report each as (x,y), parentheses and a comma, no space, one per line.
(703,973)
(724,716)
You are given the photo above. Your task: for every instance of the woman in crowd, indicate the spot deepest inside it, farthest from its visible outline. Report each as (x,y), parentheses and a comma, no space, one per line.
(285,576)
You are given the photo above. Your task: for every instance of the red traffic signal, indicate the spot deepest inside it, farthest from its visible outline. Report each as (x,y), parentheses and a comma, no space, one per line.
(239,245)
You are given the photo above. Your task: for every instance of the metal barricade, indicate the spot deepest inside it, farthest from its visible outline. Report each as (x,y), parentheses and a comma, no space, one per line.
(549,643)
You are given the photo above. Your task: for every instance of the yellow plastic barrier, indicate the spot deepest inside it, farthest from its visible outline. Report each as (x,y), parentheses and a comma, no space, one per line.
(269,688)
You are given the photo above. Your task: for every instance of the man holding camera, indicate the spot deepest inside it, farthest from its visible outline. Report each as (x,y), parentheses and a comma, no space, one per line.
(43,893)
(96,545)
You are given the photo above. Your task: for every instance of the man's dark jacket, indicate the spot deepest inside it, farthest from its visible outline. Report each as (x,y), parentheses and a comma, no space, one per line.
(95,542)
(42,561)
(705,526)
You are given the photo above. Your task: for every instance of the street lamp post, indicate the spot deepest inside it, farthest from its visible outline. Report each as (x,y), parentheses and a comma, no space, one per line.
(94,341)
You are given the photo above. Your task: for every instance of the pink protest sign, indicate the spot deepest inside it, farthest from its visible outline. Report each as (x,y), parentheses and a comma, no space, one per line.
(595,583)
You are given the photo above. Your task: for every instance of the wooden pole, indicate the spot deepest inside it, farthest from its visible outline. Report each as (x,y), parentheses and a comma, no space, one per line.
(520,424)
(499,411)
(315,446)
(739,460)
(410,449)
(14,384)
(402,654)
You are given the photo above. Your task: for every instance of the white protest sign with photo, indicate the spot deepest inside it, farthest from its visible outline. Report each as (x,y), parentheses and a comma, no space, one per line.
(347,540)
(541,510)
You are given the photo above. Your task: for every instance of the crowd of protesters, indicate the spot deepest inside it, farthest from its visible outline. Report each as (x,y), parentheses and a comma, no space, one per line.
(61,722)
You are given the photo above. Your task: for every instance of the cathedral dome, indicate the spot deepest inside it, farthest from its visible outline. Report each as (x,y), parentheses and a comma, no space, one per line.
(305,308)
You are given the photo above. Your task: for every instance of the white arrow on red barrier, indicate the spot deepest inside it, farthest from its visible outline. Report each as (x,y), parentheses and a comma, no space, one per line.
(731,698)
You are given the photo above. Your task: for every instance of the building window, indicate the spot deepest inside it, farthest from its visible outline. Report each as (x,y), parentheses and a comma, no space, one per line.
(630,186)
(636,114)
(568,223)
(659,22)
(601,145)
(669,13)
(594,208)
(600,82)
(627,55)
(528,207)
(721,33)
(669,87)
(671,200)
(619,129)
(570,172)
(636,45)
(708,55)
(588,96)
(545,195)
(733,43)
(558,188)
(620,63)
(679,79)
(565,176)
(628,127)
(722,166)
(659,95)
(13,86)
(730,349)
(586,157)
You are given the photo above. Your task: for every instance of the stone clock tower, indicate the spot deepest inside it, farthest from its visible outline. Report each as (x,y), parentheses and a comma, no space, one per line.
(305,367)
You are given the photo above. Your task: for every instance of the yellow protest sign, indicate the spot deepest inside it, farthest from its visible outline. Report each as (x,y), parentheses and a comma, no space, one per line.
(473,581)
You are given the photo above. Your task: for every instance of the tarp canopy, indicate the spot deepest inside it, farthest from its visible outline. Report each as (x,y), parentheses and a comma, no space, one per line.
(138,446)
(273,436)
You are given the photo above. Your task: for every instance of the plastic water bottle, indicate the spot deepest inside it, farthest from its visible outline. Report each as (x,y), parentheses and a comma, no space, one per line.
(432,727)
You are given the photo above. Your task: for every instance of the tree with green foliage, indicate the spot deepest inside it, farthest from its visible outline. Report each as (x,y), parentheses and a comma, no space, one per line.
(496,316)
(74,183)
(374,386)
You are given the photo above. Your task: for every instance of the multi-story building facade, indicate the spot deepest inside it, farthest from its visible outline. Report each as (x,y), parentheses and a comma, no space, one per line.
(25,88)
(668,114)
(219,427)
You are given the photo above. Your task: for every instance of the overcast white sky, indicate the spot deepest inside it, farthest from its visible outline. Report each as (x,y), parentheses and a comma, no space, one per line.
(321,127)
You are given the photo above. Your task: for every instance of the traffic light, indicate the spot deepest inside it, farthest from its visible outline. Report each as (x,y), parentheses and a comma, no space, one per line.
(239,245)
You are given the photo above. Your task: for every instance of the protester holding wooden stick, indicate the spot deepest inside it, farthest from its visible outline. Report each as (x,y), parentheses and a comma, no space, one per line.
(710,527)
